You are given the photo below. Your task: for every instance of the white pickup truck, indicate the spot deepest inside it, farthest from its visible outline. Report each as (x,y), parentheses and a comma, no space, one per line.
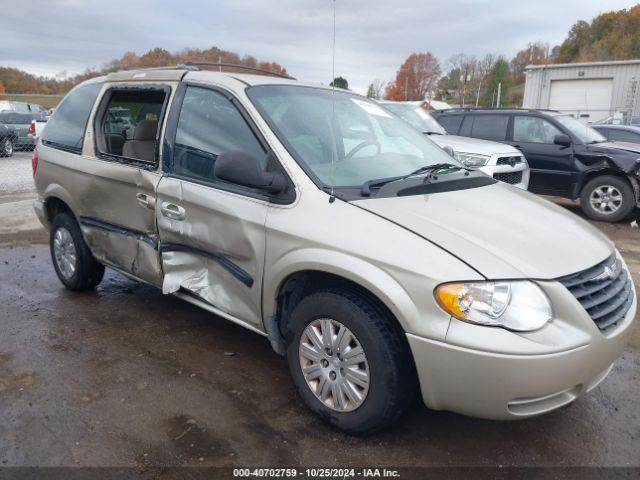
(36,128)
(498,160)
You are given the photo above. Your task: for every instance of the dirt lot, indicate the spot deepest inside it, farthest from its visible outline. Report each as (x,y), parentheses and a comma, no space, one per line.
(125,376)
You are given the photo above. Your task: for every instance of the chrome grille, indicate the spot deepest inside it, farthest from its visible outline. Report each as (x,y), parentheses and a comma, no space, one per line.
(604,291)
(510,177)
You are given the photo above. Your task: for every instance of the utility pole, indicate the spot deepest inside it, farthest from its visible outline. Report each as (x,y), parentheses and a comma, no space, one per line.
(499,94)
(478,95)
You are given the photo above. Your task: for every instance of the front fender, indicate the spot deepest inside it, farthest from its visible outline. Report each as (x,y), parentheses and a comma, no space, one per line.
(374,279)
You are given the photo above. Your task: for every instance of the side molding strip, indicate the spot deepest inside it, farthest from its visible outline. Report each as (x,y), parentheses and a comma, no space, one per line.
(242,275)
(113,228)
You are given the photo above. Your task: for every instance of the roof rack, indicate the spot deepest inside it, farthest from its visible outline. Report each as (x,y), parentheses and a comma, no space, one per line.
(471,109)
(191,65)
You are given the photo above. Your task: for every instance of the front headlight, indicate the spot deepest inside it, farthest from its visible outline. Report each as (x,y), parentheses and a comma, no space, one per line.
(517,305)
(471,160)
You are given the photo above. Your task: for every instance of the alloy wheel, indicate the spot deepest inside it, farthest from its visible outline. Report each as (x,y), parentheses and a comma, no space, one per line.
(606,199)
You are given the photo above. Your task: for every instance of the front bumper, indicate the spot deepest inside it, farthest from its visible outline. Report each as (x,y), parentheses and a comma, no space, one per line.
(497,385)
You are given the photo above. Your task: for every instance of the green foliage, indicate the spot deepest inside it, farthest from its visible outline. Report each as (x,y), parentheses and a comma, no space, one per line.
(340,82)
(499,75)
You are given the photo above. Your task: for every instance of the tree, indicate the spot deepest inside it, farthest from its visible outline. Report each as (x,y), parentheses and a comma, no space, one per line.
(498,79)
(375,89)
(534,54)
(340,82)
(461,79)
(2,97)
(416,79)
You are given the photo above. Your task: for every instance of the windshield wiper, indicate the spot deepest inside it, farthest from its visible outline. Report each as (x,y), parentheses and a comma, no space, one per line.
(365,190)
(432,133)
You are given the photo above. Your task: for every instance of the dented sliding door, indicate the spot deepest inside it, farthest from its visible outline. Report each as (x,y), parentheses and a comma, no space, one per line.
(212,245)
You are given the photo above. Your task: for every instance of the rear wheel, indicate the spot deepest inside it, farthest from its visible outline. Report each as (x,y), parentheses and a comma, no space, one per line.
(6,148)
(607,198)
(348,361)
(74,263)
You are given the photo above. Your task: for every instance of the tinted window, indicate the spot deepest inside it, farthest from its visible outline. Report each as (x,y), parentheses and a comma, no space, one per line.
(533,130)
(66,127)
(465,130)
(210,124)
(451,123)
(490,127)
(624,136)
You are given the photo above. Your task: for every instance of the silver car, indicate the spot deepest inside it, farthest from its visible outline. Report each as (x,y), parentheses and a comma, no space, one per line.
(379,265)
(498,160)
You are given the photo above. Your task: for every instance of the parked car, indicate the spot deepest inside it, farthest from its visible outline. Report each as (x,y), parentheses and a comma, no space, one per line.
(8,136)
(21,107)
(373,260)
(619,133)
(22,124)
(498,160)
(567,158)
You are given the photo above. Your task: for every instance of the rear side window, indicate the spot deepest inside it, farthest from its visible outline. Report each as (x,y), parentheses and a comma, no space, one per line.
(65,129)
(490,127)
(128,123)
(451,123)
(210,124)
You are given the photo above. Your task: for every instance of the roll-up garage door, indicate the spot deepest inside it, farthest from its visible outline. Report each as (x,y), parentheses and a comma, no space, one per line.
(590,97)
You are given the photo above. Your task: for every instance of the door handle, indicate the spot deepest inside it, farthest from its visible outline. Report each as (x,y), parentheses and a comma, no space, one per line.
(173,211)
(146,200)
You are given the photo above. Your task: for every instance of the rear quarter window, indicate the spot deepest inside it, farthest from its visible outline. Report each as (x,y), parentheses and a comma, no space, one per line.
(65,129)
(451,123)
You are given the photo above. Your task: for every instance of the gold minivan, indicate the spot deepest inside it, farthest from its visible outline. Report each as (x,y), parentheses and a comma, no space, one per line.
(379,265)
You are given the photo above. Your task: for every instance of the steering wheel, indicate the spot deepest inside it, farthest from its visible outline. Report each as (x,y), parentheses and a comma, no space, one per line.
(360,146)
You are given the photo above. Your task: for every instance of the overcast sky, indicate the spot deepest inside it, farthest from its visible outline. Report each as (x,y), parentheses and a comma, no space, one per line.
(373,37)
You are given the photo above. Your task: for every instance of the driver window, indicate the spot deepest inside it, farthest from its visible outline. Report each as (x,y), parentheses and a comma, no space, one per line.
(533,130)
(210,124)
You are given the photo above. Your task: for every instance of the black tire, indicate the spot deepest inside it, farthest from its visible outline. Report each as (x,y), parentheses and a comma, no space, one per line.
(88,272)
(392,376)
(6,147)
(628,199)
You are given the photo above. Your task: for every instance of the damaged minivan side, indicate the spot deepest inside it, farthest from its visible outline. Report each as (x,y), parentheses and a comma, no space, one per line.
(380,266)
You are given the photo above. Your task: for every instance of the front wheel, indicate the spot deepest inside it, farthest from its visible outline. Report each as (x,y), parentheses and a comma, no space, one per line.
(607,198)
(6,148)
(348,361)
(74,263)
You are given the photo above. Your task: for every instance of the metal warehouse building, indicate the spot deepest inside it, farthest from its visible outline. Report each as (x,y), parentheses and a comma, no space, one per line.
(591,91)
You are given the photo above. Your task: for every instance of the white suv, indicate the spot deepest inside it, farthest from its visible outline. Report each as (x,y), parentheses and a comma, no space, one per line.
(498,160)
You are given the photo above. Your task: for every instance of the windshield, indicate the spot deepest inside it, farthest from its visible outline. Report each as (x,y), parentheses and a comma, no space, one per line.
(585,133)
(364,141)
(417,117)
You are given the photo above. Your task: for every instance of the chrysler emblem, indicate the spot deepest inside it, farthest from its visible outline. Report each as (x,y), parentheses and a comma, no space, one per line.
(609,272)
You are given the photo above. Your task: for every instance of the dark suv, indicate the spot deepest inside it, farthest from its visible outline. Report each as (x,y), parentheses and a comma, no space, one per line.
(567,158)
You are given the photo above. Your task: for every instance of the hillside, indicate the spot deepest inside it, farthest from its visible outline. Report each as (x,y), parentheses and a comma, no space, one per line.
(18,81)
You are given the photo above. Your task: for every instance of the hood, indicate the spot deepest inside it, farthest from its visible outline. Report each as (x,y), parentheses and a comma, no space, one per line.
(626,146)
(473,145)
(500,231)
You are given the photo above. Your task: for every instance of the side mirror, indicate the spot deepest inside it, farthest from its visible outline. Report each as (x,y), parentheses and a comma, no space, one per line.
(449,150)
(242,168)
(562,140)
